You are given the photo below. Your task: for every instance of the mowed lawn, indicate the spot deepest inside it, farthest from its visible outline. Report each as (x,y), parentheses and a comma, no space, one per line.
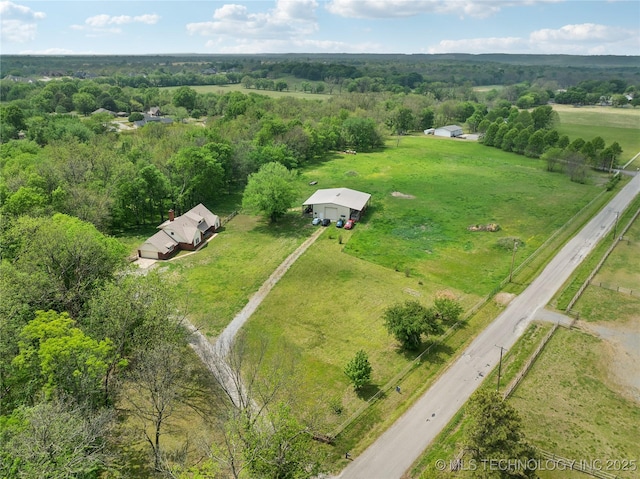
(218,281)
(612,124)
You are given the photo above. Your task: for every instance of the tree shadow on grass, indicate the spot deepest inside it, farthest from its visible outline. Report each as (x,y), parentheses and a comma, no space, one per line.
(292,225)
(368,391)
(432,351)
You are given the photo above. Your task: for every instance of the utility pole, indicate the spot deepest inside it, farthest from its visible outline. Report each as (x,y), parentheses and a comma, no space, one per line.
(513,258)
(499,367)
(615,226)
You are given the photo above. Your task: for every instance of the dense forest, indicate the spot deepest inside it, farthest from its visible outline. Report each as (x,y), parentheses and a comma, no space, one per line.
(74,331)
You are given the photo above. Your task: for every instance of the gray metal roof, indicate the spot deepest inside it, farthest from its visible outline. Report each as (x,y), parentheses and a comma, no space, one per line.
(450,128)
(356,200)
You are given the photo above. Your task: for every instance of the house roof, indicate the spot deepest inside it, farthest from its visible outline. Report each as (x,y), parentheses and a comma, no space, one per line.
(161,242)
(356,200)
(186,225)
(201,210)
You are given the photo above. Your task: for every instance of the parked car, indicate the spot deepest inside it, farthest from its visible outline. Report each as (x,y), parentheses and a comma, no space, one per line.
(316,221)
(326,222)
(340,223)
(349,224)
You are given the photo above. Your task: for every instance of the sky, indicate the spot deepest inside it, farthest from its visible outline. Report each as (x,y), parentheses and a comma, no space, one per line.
(138,27)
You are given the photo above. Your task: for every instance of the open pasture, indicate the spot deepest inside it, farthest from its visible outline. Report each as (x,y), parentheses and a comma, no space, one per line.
(447,186)
(330,303)
(612,124)
(294,91)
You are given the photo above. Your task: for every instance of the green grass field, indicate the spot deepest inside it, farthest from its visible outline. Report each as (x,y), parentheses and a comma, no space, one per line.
(453,185)
(294,91)
(219,280)
(578,399)
(570,408)
(612,124)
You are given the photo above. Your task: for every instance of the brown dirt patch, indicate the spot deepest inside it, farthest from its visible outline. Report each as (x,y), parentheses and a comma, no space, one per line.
(446,294)
(621,344)
(502,299)
(397,194)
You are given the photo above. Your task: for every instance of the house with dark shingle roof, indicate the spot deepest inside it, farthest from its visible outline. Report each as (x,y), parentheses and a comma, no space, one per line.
(184,232)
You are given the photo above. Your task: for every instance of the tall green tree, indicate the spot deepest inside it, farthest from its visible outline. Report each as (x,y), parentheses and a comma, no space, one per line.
(84,102)
(196,177)
(270,191)
(495,434)
(60,360)
(64,259)
(185,97)
(358,370)
(361,133)
(408,321)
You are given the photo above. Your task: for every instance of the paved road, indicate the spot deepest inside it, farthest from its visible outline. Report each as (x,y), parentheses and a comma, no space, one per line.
(396,450)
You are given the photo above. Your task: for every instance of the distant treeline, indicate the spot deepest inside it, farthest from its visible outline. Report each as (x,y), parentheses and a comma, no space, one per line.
(405,71)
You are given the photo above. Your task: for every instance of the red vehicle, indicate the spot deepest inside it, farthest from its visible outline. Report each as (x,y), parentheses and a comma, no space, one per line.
(349,224)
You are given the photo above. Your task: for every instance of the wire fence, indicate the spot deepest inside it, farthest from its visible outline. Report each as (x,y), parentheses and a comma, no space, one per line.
(525,368)
(616,287)
(596,468)
(615,242)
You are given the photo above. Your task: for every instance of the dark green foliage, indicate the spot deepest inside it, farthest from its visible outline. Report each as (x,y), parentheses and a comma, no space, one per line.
(65,258)
(495,434)
(358,370)
(136,116)
(185,97)
(408,321)
(270,191)
(361,134)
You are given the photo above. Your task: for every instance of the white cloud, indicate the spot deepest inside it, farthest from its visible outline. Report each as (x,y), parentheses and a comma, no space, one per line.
(585,32)
(13,9)
(409,8)
(587,39)
(583,39)
(18,24)
(52,51)
(103,20)
(290,19)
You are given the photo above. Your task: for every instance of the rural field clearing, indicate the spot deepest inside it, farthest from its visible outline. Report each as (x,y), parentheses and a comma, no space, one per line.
(413,243)
(453,185)
(330,303)
(292,92)
(612,124)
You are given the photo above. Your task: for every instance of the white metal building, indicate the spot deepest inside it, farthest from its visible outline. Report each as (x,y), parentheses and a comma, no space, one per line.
(336,203)
(450,131)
